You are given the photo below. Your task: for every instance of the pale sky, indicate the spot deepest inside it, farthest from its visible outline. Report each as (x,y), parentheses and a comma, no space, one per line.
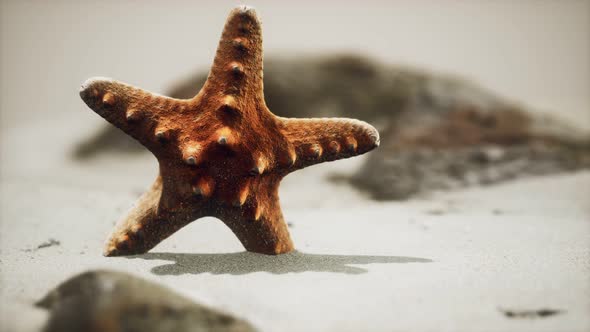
(535,52)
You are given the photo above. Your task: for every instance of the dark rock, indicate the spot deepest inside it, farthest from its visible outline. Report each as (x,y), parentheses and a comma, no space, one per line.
(46,244)
(115,301)
(540,313)
(437,132)
(406,172)
(49,243)
(436,212)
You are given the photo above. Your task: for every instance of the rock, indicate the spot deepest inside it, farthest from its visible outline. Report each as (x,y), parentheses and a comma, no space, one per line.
(114,301)
(46,244)
(49,243)
(437,132)
(540,313)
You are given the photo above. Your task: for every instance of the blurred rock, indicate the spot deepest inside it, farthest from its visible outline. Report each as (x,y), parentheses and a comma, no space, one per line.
(114,301)
(437,132)
(531,314)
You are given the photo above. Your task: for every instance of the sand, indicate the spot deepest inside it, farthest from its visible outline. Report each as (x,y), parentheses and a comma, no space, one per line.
(451,261)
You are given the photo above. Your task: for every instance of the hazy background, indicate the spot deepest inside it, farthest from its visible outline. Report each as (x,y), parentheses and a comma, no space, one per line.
(537,52)
(445,262)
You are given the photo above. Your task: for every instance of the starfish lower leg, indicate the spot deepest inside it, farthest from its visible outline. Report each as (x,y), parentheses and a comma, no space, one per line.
(261,227)
(263,236)
(146,225)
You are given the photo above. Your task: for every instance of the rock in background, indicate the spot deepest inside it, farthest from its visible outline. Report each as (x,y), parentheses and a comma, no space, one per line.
(437,132)
(109,301)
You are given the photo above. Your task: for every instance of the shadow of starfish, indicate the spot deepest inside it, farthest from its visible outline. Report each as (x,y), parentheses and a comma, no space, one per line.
(246,262)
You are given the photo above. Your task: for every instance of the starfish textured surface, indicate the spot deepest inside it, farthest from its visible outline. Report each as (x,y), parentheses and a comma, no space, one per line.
(221,153)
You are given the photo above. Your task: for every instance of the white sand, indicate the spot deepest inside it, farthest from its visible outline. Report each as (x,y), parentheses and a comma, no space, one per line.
(361,266)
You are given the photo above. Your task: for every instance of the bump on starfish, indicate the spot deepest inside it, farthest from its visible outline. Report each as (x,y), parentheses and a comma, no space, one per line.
(221,153)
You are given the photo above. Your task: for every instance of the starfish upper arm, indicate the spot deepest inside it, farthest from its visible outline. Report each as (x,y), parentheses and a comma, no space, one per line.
(318,140)
(237,68)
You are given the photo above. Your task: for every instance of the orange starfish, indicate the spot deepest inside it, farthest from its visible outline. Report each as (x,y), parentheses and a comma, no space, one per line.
(221,153)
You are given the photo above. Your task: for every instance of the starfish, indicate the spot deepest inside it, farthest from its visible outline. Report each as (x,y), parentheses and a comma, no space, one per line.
(221,153)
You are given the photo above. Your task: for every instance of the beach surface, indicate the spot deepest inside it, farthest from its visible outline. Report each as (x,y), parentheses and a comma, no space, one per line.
(448,261)
(484,258)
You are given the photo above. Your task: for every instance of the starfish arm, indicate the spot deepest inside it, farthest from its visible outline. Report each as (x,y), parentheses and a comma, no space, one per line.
(318,140)
(237,67)
(139,113)
(148,223)
(259,225)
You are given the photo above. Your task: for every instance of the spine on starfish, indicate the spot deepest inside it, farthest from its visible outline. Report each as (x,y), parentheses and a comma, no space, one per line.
(163,134)
(192,154)
(230,105)
(260,164)
(225,137)
(242,194)
(258,211)
(204,187)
